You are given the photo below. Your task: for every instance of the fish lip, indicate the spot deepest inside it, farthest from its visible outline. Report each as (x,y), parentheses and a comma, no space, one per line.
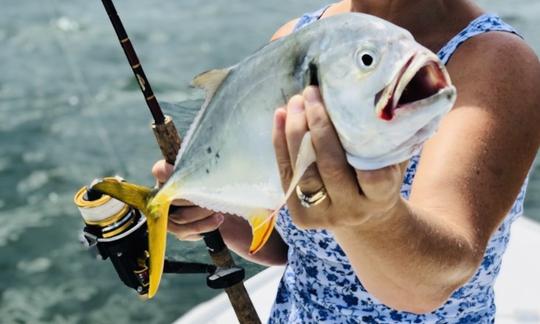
(436,80)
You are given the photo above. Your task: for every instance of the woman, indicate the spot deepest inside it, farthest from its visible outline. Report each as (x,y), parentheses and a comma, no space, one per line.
(379,247)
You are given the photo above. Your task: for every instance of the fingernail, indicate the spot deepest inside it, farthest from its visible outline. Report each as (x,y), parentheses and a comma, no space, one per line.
(279,121)
(220,218)
(312,95)
(296,105)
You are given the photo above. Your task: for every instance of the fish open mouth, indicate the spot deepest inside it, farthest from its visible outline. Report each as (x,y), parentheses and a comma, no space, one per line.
(421,78)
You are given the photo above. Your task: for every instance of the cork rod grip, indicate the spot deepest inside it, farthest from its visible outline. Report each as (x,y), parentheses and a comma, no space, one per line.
(168,139)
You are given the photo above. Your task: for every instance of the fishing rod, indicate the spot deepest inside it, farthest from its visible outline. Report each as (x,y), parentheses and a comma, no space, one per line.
(225,274)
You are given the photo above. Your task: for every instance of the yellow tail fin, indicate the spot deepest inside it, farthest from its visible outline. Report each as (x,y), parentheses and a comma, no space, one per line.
(155,208)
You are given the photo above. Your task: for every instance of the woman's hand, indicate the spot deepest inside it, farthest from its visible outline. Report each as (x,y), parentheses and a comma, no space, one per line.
(187,222)
(354,197)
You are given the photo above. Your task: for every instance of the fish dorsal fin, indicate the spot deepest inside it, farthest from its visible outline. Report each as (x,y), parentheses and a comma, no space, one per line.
(210,80)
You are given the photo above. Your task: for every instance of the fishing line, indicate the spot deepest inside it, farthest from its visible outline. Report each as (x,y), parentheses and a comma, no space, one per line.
(84,91)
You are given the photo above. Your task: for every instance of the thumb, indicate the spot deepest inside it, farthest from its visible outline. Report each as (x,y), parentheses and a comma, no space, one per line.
(382,185)
(162,171)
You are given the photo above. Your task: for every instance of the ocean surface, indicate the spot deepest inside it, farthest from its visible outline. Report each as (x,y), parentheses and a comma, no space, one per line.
(70,111)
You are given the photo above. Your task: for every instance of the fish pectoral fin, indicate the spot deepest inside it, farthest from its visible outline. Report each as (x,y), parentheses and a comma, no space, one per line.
(262,224)
(306,157)
(210,80)
(262,221)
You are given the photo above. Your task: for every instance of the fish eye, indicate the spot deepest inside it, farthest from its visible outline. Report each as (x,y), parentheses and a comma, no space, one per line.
(366,59)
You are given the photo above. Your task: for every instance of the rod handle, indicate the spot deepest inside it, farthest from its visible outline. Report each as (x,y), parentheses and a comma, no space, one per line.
(168,139)
(238,295)
(242,304)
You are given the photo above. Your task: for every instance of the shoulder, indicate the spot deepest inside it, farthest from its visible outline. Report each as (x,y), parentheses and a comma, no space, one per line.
(500,61)
(499,72)
(285,30)
(493,46)
(479,158)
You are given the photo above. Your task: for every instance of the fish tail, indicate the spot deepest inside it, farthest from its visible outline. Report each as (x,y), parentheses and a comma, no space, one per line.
(157,215)
(262,223)
(155,206)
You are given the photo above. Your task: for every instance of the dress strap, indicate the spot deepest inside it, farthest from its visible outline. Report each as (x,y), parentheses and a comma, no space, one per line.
(482,24)
(310,17)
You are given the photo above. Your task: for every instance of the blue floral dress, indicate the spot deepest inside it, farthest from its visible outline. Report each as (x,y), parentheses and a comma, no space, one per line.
(320,286)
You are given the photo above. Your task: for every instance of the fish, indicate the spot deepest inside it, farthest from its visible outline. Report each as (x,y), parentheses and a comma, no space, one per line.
(385,95)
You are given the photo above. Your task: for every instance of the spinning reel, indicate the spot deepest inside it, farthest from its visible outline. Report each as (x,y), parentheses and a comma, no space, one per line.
(116,231)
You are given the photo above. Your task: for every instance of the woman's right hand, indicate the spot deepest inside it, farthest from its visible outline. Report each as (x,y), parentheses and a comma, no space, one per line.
(186,221)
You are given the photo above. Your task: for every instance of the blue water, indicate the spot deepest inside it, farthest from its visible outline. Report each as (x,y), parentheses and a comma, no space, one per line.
(70,111)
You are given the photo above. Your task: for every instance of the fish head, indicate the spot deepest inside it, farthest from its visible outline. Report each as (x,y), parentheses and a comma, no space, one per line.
(384,92)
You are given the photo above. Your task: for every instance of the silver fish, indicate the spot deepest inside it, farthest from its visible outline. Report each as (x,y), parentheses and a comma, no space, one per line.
(385,95)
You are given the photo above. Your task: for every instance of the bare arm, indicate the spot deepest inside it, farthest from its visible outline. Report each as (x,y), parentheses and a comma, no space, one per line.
(284,30)
(413,254)
(469,176)
(236,232)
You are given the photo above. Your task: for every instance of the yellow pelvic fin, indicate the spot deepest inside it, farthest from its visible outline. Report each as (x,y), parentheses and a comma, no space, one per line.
(262,223)
(155,206)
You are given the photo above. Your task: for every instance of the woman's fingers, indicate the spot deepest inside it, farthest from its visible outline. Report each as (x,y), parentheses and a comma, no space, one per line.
(186,215)
(337,175)
(188,223)
(279,141)
(382,186)
(162,171)
(351,196)
(192,231)
(295,125)
(290,127)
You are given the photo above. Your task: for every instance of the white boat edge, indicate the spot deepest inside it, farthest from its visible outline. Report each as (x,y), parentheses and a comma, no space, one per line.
(517,290)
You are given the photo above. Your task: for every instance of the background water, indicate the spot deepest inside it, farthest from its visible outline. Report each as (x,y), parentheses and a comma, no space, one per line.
(70,111)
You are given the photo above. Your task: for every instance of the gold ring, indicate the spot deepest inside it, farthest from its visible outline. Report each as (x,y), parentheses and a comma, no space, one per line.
(313,199)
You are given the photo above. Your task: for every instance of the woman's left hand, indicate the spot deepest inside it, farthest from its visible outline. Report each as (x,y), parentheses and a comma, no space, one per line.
(354,197)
